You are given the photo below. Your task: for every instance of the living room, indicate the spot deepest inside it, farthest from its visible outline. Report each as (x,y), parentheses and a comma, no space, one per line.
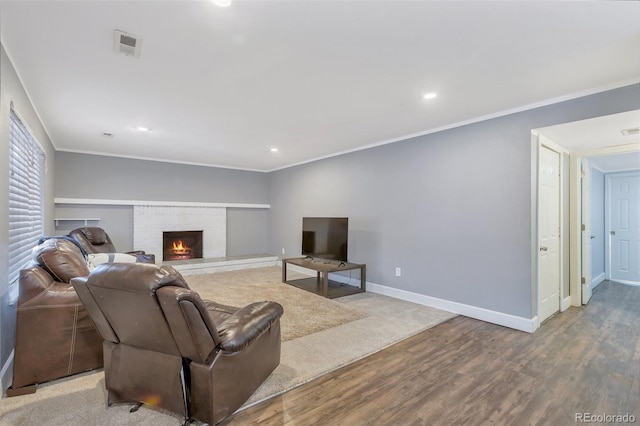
(450,204)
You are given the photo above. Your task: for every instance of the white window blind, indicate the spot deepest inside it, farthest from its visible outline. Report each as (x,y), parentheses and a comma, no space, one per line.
(26,192)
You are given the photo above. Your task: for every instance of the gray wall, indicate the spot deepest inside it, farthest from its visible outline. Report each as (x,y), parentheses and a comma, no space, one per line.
(92,176)
(452,209)
(597,223)
(246,232)
(11,89)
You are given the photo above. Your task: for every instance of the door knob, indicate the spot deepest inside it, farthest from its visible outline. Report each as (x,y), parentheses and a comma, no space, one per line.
(544,248)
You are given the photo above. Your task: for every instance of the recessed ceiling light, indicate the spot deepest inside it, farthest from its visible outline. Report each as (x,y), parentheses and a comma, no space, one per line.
(430,95)
(142,129)
(274,150)
(222,3)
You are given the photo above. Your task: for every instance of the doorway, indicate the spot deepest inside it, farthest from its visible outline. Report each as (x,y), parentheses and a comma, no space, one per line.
(592,138)
(622,227)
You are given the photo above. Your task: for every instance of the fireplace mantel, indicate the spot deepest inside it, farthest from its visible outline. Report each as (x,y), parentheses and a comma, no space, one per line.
(99,201)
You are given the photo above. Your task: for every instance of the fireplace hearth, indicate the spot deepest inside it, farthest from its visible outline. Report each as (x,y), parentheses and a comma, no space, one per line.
(181,245)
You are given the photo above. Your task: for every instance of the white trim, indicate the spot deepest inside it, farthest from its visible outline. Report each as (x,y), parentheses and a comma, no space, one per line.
(575,231)
(536,323)
(597,280)
(29,100)
(494,317)
(565,303)
(499,114)
(553,146)
(479,119)
(160,160)
(519,323)
(610,150)
(636,283)
(97,201)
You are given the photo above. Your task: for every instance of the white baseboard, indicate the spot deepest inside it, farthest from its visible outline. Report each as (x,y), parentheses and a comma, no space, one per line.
(597,280)
(565,303)
(636,283)
(536,324)
(494,317)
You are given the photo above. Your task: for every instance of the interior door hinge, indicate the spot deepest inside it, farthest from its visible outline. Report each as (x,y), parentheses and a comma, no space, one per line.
(583,227)
(583,281)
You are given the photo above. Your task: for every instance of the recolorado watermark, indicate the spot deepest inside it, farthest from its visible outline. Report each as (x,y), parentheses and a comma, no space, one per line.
(605,418)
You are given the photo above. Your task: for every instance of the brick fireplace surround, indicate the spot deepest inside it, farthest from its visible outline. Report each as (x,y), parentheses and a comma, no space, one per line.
(150,221)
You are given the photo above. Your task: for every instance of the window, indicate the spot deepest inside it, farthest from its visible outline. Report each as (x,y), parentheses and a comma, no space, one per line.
(26,193)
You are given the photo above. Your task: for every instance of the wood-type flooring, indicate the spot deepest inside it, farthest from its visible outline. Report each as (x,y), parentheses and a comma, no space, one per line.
(584,361)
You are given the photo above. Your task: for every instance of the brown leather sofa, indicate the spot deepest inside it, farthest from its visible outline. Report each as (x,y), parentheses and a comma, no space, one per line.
(96,240)
(55,336)
(166,347)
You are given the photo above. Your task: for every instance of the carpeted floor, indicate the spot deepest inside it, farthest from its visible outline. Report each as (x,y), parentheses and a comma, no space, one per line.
(368,323)
(304,312)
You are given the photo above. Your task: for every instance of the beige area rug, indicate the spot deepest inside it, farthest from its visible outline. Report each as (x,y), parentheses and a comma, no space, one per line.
(304,312)
(381,321)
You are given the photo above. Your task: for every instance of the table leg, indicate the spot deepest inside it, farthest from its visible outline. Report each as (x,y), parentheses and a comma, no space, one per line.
(325,284)
(284,271)
(363,278)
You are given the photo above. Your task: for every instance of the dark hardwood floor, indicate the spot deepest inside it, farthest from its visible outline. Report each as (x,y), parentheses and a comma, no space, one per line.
(464,371)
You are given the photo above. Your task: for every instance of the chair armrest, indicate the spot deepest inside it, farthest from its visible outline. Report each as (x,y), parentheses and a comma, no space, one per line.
(39,290)
(247,324)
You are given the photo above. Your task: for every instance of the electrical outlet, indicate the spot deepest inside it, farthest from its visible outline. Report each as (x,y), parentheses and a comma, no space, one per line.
(398,272)
(282,250)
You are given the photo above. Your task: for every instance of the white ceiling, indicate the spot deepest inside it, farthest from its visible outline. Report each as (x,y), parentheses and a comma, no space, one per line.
(221,86)
(586,136)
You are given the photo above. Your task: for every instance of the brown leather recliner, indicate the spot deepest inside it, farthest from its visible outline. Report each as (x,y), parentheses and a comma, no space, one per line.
(96,240)
(164,346)
(55,336)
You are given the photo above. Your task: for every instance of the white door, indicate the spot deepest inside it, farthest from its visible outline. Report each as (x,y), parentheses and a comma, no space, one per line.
(586,232)
(549,234)
(624,226)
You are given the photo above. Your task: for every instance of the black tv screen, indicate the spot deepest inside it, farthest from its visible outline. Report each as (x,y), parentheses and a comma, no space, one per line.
(325,237)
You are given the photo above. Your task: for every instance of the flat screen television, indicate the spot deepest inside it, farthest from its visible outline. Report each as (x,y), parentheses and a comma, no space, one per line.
(325,237)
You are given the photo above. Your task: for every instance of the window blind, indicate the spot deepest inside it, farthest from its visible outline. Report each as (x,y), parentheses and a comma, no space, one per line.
(26,193)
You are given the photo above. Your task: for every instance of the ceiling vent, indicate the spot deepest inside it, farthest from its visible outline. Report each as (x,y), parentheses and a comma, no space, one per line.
(631,132)
(127,44)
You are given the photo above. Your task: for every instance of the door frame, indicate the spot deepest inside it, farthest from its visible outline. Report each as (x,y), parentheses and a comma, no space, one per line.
(537,142)
(575,209)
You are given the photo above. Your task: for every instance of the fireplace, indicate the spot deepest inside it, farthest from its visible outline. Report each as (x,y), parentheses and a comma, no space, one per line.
(181,245)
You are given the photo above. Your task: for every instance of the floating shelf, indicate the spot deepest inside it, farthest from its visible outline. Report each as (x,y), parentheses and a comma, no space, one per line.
(96,201)
(86,220)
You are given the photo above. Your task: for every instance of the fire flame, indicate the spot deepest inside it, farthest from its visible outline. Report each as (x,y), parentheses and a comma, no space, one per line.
(179,246)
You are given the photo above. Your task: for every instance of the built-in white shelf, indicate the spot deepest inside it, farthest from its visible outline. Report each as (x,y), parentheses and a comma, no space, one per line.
(98,201)
(86,220)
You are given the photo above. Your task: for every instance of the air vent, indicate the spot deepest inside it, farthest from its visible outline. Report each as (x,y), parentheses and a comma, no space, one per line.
(127,44)
(631,132)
